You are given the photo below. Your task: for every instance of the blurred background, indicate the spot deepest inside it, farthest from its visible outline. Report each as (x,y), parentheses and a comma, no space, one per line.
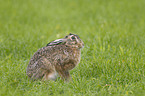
(37,22)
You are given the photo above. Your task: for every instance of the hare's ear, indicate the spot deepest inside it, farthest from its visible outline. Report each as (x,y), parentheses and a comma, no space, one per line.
(56,42)
(71,34)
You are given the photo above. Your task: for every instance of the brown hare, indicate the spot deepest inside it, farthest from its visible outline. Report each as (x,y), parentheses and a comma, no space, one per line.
(57,58)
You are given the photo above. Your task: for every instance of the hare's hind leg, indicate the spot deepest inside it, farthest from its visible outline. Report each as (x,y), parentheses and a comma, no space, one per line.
(38,75)
(42,69)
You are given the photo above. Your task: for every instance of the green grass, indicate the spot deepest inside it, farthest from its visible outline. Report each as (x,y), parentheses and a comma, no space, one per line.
(113,59)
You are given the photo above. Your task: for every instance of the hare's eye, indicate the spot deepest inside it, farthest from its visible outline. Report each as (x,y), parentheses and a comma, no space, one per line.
(73,37)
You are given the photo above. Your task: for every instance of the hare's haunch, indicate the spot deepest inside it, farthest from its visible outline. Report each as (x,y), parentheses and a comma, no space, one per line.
(57,58)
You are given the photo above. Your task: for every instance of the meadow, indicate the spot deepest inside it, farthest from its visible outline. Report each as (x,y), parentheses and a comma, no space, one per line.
(112,61)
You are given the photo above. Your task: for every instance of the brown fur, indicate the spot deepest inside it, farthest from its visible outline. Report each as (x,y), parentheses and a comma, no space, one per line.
(58,56)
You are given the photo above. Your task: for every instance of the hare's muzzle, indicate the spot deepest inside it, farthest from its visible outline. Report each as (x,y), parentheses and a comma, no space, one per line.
(81,45)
